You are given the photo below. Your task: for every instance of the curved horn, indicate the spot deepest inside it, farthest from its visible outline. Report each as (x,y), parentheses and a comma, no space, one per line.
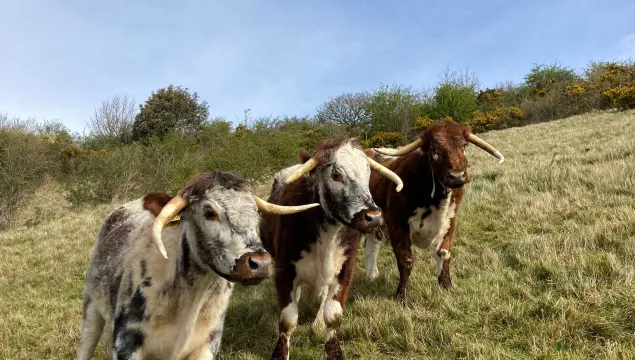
(386,172)
(485,146)
(403,150)
(269,208)
(305,168)
(173,207)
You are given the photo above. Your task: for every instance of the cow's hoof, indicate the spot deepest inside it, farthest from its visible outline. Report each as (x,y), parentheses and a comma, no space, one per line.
(281,352)
(372,275)
(332,349)
(400,297)
(445,280)
(318,325)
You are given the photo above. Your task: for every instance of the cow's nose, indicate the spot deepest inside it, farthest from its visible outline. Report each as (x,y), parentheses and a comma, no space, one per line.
(456,177)
(260,264)
(374,217)
(253,267)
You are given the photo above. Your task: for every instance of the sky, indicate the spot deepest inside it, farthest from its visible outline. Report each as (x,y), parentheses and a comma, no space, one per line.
(60,59)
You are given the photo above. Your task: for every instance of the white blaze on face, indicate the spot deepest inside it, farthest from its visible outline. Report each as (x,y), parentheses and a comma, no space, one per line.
(353,163)
(353,194)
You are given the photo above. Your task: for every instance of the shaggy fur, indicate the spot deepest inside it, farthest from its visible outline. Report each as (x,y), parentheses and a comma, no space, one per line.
(174,308)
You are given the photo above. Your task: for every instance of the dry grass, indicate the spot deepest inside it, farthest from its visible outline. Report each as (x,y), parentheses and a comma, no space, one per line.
(543,266)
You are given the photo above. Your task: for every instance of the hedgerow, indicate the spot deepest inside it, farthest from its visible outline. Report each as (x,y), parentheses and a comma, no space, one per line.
(93,171)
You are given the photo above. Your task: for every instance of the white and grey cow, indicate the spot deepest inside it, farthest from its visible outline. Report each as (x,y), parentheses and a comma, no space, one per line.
(171,303)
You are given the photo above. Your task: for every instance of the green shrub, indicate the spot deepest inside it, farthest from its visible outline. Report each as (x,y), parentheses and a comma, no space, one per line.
(394,109)
(455,100)
(25,161)
(544,78)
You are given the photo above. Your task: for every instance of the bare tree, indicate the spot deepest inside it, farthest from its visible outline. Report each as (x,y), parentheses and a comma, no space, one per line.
(114,118)
(347,109)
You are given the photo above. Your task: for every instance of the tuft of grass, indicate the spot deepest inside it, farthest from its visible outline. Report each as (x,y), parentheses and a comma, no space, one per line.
(543,266)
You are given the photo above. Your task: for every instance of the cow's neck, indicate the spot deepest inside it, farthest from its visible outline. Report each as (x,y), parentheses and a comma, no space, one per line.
(428,188)
(192,276)
(193,284)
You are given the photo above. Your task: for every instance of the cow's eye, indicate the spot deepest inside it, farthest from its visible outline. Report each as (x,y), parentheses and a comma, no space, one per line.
(211,215)
(337,177)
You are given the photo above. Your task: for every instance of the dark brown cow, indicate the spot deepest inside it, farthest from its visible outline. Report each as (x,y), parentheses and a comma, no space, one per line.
(315,251)
(434,170)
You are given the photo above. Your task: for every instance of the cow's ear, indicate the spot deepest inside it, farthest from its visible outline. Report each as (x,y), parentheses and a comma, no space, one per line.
(155,201)
(304,156)
(467,130)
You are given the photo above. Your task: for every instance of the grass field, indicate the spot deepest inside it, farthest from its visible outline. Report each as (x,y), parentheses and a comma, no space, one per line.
(543,265)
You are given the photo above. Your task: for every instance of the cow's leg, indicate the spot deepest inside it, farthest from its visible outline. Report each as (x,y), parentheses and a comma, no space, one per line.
(338,292)
(92,327)
(401,246)
(442,256)
(128,340)
(209,351)
(371,250)
(318,324)
(288,296)
(214,339)
(203,353)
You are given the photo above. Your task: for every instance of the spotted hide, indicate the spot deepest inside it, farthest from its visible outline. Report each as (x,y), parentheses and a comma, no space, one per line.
(169,302)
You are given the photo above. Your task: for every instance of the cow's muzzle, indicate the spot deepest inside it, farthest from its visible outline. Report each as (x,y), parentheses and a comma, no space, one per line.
(368,220)
(456,179)
(252,268)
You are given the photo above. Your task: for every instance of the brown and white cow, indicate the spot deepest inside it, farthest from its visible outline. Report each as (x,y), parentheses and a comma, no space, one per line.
(314,251)
(434,170)
(174,307)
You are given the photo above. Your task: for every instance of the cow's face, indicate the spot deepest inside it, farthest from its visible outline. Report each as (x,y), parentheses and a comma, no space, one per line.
(344,192)
(219,219)
(445,147)
(223,223)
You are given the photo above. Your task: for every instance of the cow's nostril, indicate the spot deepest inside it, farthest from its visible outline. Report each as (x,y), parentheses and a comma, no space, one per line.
(253,265)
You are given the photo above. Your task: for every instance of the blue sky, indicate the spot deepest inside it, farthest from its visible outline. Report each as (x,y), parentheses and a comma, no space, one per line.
(60,59)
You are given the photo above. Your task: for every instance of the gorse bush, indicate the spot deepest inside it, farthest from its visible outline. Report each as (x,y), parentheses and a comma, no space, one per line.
(384,139)
(172,137)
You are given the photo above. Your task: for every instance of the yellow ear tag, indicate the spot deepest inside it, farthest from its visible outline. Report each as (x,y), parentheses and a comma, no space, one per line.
(175,221)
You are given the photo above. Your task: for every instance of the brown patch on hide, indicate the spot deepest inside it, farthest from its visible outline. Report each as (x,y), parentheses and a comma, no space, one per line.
(155,201)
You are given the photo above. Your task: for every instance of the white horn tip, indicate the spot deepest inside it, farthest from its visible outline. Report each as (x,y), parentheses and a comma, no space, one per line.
(399,187)
(158,243)
(500,157)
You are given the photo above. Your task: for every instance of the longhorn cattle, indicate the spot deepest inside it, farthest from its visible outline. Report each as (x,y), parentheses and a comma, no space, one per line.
(434,171)
(314,252)
(171,303)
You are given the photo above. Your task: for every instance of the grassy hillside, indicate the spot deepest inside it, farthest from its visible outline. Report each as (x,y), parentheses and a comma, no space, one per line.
(543,265)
